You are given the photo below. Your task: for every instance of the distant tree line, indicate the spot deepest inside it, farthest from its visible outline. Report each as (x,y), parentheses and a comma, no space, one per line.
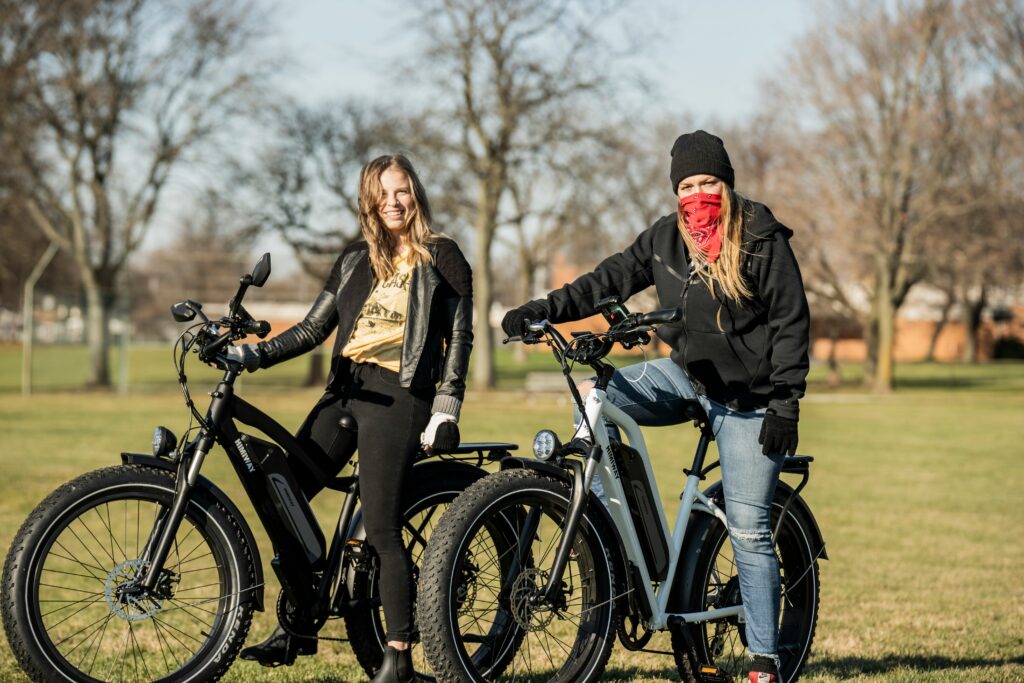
(891,141)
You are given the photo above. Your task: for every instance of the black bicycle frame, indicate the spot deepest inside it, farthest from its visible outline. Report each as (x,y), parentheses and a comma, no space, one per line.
(298,542)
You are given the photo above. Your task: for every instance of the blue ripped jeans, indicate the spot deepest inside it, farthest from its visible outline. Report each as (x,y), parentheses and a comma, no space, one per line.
(652,393)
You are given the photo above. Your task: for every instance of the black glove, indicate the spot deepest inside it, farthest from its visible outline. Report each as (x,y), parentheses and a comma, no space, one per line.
(247,354)
(515,321)
(778,435)
(447,437)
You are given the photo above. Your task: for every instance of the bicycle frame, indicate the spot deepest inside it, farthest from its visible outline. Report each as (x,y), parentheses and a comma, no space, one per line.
(311,573)
(598,408)
(297,539)
(600,461)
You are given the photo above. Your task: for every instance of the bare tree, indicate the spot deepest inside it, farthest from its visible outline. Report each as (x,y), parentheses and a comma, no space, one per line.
(513,71)
(202,262)
(303,185)
(872,78)
(124,90)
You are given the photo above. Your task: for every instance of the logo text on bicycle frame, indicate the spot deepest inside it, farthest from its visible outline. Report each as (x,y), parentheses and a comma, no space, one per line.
(245,455)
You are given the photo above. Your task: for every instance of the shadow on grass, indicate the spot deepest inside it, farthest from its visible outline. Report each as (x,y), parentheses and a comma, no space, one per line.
(844,667)
(617,673)
(954,382)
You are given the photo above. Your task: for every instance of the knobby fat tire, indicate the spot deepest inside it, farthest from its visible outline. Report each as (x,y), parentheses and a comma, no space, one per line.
(705,539)
(51,516)
(461,518)
(364,624)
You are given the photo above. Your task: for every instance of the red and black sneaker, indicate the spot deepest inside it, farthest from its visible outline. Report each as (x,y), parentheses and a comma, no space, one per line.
(763,670)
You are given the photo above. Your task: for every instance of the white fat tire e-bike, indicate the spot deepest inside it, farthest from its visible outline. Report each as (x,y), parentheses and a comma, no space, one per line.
(584,571)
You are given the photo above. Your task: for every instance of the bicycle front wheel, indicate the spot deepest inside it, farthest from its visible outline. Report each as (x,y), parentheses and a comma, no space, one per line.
(72,608)
(479,610)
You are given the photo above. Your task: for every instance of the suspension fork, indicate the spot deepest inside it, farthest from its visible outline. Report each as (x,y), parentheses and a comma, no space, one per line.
(168,522)
(583,473)
(166,528)
(526,534)
(577,506)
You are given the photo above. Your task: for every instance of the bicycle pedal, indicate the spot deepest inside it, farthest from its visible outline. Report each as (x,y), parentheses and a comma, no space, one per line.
(712,674)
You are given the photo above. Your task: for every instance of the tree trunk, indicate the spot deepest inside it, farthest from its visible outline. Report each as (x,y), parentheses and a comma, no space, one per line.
(940,326)
(483,342)
(483,295)
(871,347)
(972,323)
(525,294)
(885,316)
(97,333)
(835,377)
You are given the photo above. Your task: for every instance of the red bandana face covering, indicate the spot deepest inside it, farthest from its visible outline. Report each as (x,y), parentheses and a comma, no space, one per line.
(700,212)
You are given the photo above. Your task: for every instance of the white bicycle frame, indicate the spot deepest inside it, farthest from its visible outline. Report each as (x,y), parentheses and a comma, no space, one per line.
(598,409)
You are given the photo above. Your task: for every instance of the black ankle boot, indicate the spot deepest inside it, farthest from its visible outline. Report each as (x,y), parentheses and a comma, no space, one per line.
(397,667)
(279,649)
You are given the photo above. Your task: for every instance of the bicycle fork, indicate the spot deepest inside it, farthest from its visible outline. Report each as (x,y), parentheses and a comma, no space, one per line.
(577,506)
(582,475)
(167,523)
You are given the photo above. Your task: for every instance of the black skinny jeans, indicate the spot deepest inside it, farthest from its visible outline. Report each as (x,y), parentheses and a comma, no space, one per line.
(390,420)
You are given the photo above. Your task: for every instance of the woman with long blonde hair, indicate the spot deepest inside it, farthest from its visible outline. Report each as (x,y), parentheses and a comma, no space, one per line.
(741,350)
(400,300)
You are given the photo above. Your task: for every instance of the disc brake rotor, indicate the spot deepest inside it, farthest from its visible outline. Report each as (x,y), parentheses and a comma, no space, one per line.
(129,602)
(530,615)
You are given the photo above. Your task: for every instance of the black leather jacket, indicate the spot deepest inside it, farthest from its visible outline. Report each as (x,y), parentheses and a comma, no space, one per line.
(439,323)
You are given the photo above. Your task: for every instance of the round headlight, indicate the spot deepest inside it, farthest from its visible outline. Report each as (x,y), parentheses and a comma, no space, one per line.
(163,442)
(545,444)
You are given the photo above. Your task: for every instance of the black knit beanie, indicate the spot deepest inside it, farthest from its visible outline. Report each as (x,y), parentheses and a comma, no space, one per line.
(700,152)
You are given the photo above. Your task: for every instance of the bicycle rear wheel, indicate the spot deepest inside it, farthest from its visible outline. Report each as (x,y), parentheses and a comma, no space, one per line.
(715,584)
(478,603)
(72,608)
(365,622)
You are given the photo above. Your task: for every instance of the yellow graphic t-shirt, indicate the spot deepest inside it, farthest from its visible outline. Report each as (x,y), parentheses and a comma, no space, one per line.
(380,328)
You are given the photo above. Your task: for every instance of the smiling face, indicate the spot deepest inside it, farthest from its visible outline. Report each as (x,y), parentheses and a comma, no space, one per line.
(702,182)
(396,200)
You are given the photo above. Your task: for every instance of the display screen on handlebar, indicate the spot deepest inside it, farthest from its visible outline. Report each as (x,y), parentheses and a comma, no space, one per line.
(613,310)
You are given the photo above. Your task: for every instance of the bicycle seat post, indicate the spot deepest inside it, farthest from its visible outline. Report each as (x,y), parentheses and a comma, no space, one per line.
(706,437)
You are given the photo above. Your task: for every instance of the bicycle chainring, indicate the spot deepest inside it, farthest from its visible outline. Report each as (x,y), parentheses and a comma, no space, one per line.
(632,633)
(299,623)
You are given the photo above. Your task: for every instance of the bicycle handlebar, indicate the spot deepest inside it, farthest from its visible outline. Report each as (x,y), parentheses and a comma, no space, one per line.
(660,317)
(631,331)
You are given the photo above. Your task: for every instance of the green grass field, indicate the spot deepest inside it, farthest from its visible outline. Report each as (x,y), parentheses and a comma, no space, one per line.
(918,495)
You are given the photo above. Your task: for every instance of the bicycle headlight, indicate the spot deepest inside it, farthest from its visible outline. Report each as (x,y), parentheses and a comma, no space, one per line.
(164,442)
(546,444)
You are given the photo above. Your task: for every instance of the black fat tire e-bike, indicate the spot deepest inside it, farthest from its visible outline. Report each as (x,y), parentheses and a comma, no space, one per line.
(147,571)
(585,570)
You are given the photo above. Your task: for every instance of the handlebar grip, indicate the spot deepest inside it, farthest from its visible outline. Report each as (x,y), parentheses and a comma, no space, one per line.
(660,317)
(261,328)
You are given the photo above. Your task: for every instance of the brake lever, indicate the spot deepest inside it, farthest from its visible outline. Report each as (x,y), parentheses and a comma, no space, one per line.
(524,338)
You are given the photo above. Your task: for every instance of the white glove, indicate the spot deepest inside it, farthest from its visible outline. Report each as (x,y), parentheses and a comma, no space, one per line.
(429,435)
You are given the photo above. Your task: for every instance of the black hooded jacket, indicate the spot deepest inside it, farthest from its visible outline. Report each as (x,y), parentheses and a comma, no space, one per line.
(757,357)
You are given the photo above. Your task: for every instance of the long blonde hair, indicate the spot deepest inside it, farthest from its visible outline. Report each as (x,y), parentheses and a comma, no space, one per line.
(378,237)
(727,270)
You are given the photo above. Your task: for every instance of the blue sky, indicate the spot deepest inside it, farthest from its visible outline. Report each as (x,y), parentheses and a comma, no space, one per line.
(722,49)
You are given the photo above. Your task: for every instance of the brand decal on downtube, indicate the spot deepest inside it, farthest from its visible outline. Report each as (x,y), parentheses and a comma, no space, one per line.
(245,455)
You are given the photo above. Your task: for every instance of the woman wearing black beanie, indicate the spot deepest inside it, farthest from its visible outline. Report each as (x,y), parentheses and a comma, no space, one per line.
(741,349)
